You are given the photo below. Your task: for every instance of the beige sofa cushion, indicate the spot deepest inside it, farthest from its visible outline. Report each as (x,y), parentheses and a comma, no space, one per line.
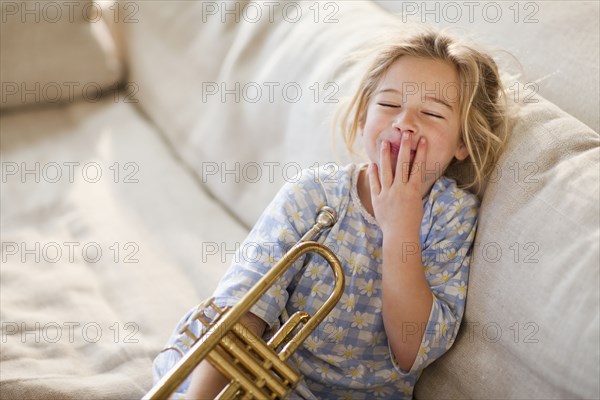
(530,328)
(59,51)
(95,319)
(247,105)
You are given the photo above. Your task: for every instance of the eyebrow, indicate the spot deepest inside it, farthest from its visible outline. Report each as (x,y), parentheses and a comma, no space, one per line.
(431,98)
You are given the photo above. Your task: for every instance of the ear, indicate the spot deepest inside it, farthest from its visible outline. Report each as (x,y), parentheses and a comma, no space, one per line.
(461,152)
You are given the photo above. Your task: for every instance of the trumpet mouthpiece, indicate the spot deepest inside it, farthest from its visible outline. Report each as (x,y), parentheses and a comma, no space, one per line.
(326,217)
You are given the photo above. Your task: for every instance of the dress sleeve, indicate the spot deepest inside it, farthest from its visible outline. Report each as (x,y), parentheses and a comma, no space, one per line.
(446,257)
(289,215)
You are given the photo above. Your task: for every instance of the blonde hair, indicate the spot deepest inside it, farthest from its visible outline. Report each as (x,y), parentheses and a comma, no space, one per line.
(483,105)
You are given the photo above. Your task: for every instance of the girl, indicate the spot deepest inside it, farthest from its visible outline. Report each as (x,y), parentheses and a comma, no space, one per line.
(404,231)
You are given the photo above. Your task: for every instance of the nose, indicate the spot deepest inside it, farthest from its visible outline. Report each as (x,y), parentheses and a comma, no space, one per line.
(405,121)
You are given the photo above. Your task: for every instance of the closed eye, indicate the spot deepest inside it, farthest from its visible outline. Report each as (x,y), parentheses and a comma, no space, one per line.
(433,115)
(388,105)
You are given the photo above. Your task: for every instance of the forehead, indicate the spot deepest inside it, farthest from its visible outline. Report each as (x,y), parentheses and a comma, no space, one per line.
(420,74)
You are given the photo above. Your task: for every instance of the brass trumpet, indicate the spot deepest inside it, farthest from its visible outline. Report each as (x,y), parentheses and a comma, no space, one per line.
(255,369)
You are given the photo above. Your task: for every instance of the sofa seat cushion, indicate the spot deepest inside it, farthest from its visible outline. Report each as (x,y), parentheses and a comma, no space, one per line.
(104,248)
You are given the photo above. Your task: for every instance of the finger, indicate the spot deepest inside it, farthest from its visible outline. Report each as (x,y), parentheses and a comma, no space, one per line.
(417,174)
(403,164)
(385,169)
(374,179)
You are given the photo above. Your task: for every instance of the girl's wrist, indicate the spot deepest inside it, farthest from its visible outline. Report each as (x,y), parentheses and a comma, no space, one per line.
(398,240)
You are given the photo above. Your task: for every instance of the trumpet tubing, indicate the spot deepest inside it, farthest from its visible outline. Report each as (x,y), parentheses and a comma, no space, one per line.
(255,369)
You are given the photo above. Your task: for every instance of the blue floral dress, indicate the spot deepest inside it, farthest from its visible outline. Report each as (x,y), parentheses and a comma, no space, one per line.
(348,355)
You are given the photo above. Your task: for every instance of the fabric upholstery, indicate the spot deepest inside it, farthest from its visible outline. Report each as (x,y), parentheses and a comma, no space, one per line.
(531,320)
(81,324)
(208,165)
(55,52)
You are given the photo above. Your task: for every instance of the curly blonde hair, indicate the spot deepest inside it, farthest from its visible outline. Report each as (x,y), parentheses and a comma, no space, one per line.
(483,105)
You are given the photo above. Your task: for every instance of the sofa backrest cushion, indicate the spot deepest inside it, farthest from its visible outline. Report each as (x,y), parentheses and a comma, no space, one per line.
(55,52)
(530,328)
(248,104)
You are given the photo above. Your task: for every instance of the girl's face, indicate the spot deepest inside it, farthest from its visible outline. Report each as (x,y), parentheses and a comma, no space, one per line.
(419,96)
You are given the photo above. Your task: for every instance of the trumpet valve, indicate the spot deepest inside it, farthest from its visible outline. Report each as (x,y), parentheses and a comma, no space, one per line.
(210,302)
(200,316)
(186,329)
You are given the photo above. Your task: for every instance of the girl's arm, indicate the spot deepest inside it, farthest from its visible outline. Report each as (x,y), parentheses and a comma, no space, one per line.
(397,203)
(407,298)
(207,382)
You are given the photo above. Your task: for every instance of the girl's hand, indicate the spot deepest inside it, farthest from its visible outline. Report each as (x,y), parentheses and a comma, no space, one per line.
(397,199)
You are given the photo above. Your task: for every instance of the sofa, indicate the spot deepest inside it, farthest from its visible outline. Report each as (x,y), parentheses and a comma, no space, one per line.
(140,141)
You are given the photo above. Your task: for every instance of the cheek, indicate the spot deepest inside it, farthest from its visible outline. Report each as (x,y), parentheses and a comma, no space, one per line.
(439,148)
(376,120)
(369,122)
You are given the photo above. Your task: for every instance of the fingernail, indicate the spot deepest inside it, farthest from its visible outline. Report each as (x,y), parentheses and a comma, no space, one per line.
(405,135)
(422,140)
